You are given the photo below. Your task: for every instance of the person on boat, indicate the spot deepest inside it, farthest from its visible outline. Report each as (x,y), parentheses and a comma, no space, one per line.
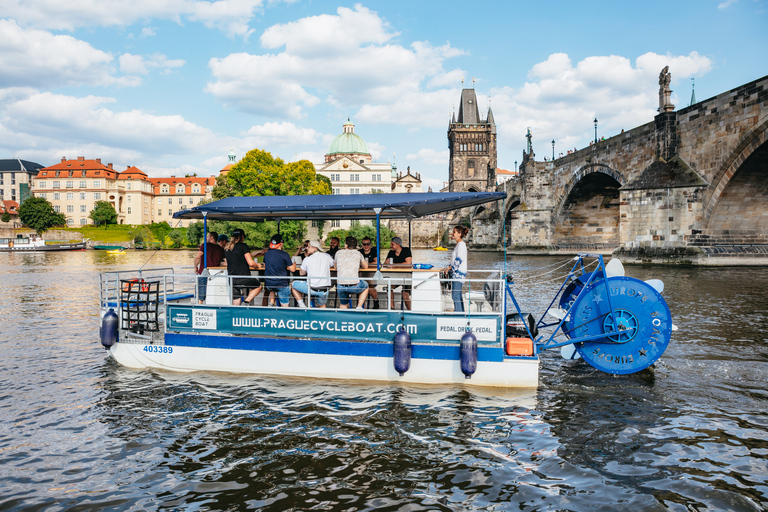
(277,263)
(240,263)
(348,263)
(222,241)
(400,257)
(458,269)
(335,242)
(317,267)
(371,256)
(215,255)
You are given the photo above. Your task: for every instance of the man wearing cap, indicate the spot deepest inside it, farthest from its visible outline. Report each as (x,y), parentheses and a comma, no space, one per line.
(223,239)
(400,256)
(277,263)
(214,257)
(317,267)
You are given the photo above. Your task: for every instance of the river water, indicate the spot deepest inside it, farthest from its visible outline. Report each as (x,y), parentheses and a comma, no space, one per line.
(78,432)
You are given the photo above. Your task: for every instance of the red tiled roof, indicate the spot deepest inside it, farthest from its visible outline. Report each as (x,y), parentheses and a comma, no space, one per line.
(504,171)
(11,207)
(133,173)
(187,182)
(92,168)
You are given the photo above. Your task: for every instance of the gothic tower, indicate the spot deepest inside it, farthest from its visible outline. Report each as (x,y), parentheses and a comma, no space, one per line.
(472,145)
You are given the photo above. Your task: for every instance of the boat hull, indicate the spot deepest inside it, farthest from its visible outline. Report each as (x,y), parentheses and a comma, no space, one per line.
(44,248)
(326,360)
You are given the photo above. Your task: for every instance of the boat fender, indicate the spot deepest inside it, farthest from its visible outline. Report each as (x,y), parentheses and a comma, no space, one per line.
(402,351)
(109,329)
(468,357)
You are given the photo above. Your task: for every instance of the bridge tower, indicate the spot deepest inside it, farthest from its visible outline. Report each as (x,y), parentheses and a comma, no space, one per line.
(472,146)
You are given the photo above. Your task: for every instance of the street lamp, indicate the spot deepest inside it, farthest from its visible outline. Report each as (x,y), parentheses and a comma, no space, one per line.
(595,130)
(553,150)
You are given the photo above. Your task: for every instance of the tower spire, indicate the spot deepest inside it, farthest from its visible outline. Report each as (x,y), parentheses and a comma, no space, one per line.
(693,92)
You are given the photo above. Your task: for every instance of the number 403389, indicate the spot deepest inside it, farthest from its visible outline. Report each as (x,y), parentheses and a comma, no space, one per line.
(160,349)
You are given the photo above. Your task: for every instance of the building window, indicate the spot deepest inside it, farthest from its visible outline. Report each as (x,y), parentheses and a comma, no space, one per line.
(57,174)
(129,199)
(70,196)
(56,184)
(97,196)
(181,200)
(146,200)
(40,184)
(337,191)
(82,175)
(83,184)
(146,211)
(57,208)
(335,223)
(377,177)
(335,177)
(315,223)
(129,210)
(83,208)
(70,184)
(56,196)
(96,183)
(159,213)
(128,186)
(170,212)
(43,195)
(354,177)
(70,221)
(82,196)
(190,200)
(70,208)
(159,200)
(354,191)
(164,189)
(196,189)
(83,221)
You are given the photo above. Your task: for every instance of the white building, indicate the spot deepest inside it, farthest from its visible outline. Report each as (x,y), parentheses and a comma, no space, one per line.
(349,166)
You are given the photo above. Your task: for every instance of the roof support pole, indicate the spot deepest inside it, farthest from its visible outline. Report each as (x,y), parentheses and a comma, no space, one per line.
(410,233)
(205,239)
(378,238)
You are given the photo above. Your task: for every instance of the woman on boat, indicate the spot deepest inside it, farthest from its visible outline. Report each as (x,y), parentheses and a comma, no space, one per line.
(239,263)
(458,267)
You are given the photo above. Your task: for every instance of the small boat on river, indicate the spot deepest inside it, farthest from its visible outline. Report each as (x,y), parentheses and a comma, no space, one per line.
(156,318)
(35,243)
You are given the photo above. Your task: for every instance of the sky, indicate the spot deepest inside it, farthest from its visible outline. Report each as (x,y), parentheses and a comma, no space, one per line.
(172,86)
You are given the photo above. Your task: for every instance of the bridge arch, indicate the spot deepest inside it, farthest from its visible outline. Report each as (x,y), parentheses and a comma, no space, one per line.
(738,201)
(588,210)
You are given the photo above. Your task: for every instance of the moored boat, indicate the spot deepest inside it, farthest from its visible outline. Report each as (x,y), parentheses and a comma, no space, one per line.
(108,247)
(154,318)
(35,243)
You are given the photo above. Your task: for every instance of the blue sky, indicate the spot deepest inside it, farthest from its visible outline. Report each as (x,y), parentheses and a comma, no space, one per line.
(172,86)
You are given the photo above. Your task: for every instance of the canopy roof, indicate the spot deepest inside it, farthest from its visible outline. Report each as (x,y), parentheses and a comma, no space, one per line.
(353,206)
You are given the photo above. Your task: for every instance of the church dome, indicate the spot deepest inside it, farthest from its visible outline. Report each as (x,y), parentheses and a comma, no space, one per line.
(348,143)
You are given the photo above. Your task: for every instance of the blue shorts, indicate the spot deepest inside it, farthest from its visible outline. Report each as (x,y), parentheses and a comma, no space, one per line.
(283,294)
(346,290)
(321,296)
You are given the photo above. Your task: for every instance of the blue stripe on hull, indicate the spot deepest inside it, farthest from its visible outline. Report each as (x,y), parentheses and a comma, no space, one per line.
(341,348)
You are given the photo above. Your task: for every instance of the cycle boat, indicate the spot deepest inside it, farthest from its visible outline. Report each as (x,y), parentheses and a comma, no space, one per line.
(154,318)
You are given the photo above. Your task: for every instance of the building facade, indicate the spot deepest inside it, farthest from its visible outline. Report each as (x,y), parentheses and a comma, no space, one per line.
(74,186)
(350,167)
(16,178)
(472,147)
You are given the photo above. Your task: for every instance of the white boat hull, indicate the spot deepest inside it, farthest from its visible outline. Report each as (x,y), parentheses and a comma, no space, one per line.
(509,373)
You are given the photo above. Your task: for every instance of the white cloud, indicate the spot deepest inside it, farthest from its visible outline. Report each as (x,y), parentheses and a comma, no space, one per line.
(148,32)
(36,58)
(726,4)
(348,60)
(64,120)
(140,65)
(429,156)
(283,134)
(230,16)
(560,100)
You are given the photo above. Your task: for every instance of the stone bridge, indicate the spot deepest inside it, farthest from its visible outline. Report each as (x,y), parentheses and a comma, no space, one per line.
(691,186)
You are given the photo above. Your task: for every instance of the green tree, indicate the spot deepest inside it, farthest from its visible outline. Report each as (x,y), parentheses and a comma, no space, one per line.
(38,214)
(177,237)
(6,216)
(258,173)
(160,230)
(103,213)
(140,235)
(195,233)
(361,231)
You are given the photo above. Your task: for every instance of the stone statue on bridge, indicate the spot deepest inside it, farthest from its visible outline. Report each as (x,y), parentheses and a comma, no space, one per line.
(665,103)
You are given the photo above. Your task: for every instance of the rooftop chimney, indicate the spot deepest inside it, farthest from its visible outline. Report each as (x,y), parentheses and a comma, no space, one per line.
(80,158)
(63,159)
(98,160)
(109,165)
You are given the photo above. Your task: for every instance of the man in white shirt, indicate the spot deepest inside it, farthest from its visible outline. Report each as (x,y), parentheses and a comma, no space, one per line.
(348,263)
(317,267)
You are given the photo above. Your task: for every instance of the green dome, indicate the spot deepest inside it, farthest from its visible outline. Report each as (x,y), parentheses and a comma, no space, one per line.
(349,143)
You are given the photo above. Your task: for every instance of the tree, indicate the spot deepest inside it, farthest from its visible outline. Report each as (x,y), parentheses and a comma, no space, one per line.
(6,216)
(160,230)
(361,231)
(140,235)
(258,173)
(103,213)
(177,237)
(38,214)
(195,233)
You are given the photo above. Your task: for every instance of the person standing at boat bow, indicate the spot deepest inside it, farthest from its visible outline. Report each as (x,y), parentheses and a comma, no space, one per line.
(214,259)
(277,263)
(458,268)
(239,263)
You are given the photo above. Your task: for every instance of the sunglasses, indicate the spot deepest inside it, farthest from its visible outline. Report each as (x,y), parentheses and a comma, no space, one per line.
(365,244)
